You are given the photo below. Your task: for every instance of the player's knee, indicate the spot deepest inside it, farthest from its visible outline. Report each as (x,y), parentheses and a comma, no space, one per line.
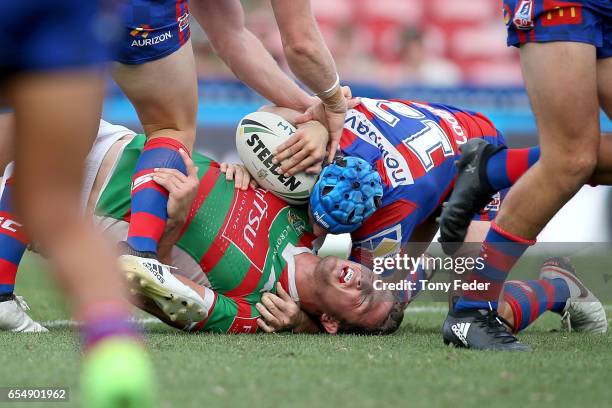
(572,172)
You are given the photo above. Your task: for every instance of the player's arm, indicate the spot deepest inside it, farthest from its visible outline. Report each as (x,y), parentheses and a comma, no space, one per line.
(310,60)
(245,55)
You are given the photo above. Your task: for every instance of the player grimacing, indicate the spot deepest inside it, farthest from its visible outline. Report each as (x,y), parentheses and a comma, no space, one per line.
(214,256)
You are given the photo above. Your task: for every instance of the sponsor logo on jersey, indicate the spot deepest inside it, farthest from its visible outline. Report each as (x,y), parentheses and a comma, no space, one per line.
(145,40)
(9,225)
(142,31)
(561,13)
(523,17)
(256,215)
(386,243)
(183,21)
(396,167)
(296,222)
(251,216)
(507,14)
(449,118)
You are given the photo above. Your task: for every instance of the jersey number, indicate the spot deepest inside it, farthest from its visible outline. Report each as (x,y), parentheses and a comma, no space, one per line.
(422,143)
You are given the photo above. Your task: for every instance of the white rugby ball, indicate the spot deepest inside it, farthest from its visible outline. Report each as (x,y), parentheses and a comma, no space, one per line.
(257,136)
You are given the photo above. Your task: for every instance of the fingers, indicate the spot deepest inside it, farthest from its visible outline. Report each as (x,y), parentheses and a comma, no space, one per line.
(347,92)
(269,302)
(192,170)
(281,292)
(305,117)
(298,162)
(241,178)
(263,326)
(229,173)
(268,317)
(333,146)
(352,102)
(168,182)
(174,173)
(288,147)
(316,169)
(238,173)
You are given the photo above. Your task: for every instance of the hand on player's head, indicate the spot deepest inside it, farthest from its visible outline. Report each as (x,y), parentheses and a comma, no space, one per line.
(182,189)
(348,298)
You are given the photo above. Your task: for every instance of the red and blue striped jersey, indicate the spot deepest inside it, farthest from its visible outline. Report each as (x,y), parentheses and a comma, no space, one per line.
(413,145)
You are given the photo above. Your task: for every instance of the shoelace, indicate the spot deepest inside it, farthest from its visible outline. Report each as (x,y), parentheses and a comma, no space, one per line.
(22,303)
(494,324)
(566,321)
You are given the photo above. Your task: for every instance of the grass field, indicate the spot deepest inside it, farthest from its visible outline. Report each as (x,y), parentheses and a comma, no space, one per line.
(411,368)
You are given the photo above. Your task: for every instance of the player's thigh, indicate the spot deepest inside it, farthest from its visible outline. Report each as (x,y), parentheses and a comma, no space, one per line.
(163,91)
(561,80)
(604,84)
(57,117)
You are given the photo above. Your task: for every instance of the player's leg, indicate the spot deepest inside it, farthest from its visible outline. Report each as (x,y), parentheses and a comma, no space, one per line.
(55,113)
(13,242)
(558,290)
(568,124)
(160,81)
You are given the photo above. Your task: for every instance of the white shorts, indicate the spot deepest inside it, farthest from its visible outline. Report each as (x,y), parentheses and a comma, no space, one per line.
(108,134)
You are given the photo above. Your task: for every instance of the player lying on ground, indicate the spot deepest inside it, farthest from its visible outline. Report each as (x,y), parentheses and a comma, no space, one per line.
(235,244)
(413,146)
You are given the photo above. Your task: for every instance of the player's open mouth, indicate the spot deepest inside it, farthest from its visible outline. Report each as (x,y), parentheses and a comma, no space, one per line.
(346,275)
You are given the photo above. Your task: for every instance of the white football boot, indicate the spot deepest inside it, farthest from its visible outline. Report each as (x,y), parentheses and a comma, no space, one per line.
(583,312)
(152,279)
(13,317)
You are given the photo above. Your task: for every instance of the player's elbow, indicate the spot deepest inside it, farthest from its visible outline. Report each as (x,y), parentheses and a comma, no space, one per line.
(299,49)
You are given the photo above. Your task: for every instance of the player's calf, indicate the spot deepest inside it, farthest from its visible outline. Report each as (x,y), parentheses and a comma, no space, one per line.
(149,199)
(13,242)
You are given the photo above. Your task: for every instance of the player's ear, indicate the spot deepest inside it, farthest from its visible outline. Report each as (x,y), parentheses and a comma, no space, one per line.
(330,324)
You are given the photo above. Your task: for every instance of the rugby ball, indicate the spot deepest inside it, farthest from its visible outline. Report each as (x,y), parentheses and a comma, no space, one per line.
(257,136)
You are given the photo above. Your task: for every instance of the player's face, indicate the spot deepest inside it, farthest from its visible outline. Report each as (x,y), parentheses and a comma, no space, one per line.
(347,293)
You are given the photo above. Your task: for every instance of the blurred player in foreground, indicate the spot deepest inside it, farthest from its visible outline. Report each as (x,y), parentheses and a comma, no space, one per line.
(52,79)
(156,71)
(234,244)
(566,50)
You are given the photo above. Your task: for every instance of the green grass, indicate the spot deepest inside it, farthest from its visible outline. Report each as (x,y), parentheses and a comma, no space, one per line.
(411,368)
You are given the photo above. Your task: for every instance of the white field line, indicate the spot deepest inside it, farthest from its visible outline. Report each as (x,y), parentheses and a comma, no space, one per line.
(152,320)
(72,323)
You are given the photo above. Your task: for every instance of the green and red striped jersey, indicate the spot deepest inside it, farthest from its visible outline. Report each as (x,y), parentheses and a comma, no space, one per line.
(240,242)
